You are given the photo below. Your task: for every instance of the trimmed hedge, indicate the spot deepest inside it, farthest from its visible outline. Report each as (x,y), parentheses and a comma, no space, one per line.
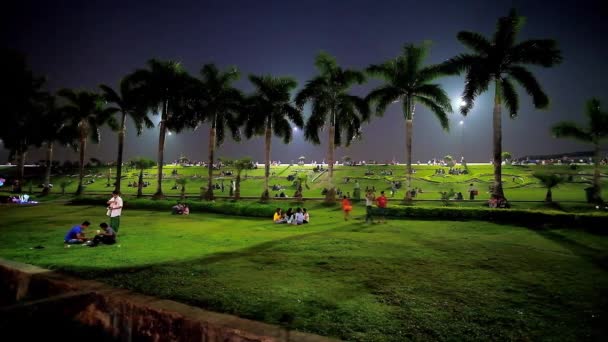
(530,218)
(240,208)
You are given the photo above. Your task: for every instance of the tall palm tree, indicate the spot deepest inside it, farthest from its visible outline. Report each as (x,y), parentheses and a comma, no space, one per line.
(409,81)
(595,133)
(162,88)
(182,181)
(269,111)
(141,164)
(22,104)
(500,62)
(126,102)
(334,107)
(219,104)
(86,113)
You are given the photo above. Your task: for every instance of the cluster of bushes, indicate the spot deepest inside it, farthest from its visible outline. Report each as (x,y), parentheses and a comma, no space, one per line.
(529,218)
(240,208)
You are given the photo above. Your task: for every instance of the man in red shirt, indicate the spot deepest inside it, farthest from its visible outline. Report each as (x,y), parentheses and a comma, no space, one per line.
(382,201)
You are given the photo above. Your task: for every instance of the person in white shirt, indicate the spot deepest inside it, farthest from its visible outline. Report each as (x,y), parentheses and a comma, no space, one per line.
(115,210)
(299,217)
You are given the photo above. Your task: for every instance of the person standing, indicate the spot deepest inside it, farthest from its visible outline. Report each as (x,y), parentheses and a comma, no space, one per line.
(370,197)
(382,201)
(346,207)
(115,210)
(472,192)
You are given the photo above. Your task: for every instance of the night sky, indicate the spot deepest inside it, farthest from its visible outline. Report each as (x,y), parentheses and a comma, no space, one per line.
(80,44)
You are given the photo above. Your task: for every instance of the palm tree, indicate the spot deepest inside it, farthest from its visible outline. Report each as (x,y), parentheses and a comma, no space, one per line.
(182,181)
(240,165)
(501,61)
(141,164)
(332,106)
(269,111)
(595,133)
(549,181)
(219,104)
(162,88)
(23,102)
(126,103)
(409,81)
(86,113)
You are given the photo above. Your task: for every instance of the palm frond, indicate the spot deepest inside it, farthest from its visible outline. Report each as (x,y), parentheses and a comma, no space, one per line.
(530,84)
(571,130)
(510,97)
(439,111)
(543,52)
(435,93)
(475,42)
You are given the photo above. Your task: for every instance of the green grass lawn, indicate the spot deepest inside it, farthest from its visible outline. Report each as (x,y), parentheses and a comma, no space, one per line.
(421,280)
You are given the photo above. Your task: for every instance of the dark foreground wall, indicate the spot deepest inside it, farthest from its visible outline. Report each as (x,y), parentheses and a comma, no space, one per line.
(39,302)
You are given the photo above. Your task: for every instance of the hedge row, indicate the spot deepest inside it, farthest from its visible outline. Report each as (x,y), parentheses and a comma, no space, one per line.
(531,218)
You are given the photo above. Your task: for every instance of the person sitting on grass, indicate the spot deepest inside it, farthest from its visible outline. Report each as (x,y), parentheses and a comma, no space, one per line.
(298,217)
(106,235)
(177,209)
(306,215)
(346,207)
(278,216)
(76,234)
(186,210)
(289,215)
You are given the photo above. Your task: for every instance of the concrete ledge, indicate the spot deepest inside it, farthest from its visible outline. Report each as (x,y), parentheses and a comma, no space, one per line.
(126,315)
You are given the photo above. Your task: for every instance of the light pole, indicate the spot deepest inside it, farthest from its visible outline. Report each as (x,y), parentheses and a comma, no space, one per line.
(461,123)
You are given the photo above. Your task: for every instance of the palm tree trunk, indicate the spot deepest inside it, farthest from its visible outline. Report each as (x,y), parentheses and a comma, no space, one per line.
(49,166)
(183,194)
(21,153)
(83,147)
(549,196)
(597,194)
(237,186)
(265,194)
(121,144)
(331,192)
(140,184)
(497,125)
(409,123)
(209,193)
(161,151)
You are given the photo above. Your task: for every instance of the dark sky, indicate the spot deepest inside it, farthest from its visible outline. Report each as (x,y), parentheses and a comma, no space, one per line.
(81,44)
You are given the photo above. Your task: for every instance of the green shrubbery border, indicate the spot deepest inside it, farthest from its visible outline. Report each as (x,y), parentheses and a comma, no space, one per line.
(529,218)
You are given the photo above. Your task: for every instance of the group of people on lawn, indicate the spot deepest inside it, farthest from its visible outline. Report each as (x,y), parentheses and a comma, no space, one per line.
(106,235)
(370,198)
(296,217)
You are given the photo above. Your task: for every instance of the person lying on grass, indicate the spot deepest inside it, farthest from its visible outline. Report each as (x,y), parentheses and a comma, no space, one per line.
(106,235)
(76,234)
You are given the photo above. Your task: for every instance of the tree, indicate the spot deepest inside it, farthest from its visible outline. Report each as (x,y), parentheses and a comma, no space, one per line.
(334,107)
(23,101)
(219,104)
(182,181)
(346,160)
(240,165)
(594,133)
(506,156)
(501,62)
(449,160)
(270,111)
(163,88)
(141,164)
(409,81)
(126,102)
(86,113)
(549,181)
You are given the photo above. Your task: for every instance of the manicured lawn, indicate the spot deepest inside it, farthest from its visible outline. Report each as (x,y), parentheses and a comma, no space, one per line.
(421,280)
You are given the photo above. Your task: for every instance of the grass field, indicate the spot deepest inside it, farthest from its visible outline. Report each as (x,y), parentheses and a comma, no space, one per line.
(421,280)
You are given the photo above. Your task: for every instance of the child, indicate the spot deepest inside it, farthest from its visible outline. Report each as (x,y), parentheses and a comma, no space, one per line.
(289,215)
(346,207)
(306,216)
(278,216)
(298,217)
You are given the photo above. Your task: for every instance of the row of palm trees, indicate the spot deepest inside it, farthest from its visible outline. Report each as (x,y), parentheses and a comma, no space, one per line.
(164,88)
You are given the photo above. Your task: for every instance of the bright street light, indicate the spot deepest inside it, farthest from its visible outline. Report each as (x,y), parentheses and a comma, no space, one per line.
(463,103)
(169,133)
(461,122)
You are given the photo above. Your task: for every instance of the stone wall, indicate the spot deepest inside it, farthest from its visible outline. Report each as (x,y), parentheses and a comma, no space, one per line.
(32,293)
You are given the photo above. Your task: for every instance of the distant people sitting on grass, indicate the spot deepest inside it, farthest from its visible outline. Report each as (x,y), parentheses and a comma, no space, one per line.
(178,209)
(289,216)
(186,210)
(106,235)
(278,216)
(498,202)
(76,234)
(306,215)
